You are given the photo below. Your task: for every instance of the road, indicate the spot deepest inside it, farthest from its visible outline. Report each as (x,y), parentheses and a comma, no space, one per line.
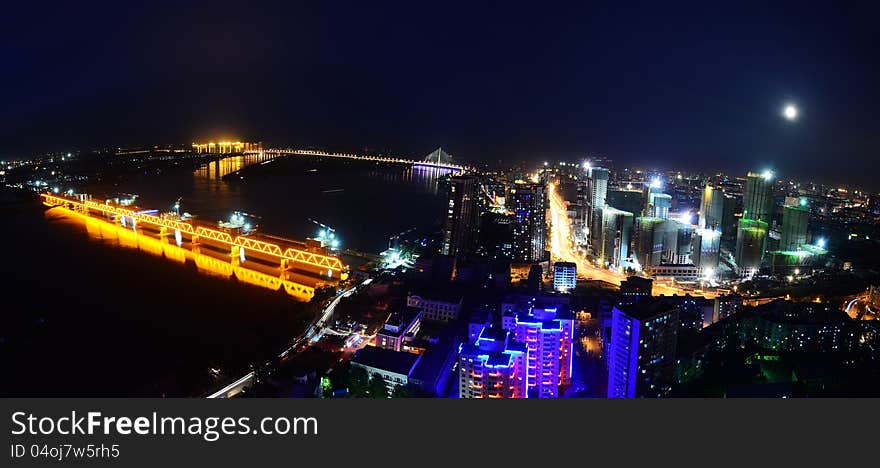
(562,250)
(311,336)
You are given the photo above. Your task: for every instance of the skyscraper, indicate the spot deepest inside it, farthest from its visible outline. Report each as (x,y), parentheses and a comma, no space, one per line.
(616,230)
(751,238)
(795,215)
(728,218)
(758,196)
(706,250)
(711,208)
(530,222)
(626,200)
(641,356)
(461,224)
(496,234)
(597,190)
(751,234)
(649,241)
(494,366)
(660,204)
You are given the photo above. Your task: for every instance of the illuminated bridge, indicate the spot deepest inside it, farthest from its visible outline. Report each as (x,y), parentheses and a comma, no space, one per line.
(272,262)
(438,158)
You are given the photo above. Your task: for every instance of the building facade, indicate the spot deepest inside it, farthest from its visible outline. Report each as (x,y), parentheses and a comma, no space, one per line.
(493,366)
(461,221)
(564,276)
(641,356)
(436,307)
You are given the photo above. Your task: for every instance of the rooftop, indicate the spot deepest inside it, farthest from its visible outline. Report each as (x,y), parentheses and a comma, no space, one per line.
(647,309)
(386,359)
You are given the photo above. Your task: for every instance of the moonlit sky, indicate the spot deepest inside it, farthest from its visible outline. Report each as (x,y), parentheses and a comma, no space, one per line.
(693,86)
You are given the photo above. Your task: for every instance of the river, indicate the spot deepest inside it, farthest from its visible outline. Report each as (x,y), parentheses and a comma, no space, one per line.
(87,314)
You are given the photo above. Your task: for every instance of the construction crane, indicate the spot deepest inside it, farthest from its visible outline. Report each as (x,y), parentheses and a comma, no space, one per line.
(327,235)
(327,228)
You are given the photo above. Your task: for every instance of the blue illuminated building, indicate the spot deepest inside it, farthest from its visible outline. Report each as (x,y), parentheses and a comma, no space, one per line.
(641,356)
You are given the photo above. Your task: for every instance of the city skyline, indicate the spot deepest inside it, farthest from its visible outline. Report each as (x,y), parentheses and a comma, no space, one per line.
(681,87)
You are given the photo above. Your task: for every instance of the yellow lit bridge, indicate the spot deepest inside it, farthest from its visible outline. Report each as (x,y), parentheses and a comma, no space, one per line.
(272,262)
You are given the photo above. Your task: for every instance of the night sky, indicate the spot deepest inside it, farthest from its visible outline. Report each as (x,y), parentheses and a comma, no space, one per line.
(693,86)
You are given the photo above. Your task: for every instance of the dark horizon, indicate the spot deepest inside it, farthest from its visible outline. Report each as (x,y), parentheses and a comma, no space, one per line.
(690,87)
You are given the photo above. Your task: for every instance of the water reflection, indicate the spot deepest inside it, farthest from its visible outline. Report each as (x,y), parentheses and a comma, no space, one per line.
(206,261)
(216,170)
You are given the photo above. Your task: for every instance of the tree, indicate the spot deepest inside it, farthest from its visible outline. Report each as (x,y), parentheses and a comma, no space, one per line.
(401,391)
(358,381)
(377,387)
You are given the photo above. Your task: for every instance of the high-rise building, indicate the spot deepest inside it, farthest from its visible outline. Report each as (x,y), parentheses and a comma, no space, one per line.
(660,204)
(496,234)
(728,218)
(626,200)
(649,241)
(711,208)
(493,366)
(527,201)
(564,276)
(641,356)
(795,215)
(615,235)
(461,224)
(678,242)
(751,239)
(597,190)
(547,329)
(758,196)
(706,250)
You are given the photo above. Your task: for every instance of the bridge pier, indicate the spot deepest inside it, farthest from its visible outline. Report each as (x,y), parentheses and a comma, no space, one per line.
(236,255)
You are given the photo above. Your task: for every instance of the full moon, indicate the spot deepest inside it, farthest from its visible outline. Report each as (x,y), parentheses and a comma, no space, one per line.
(790,112)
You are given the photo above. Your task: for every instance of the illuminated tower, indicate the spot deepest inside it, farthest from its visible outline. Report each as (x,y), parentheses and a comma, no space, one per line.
(527,201)
(597,190)
(461,223)
(711,208)
(614,236)
(494,366)
(706,250)
(795,216)
(758,196)
(751,239)
(751,234)
(548,333)
(660,204)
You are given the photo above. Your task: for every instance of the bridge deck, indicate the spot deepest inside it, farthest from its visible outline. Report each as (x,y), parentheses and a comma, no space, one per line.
(287,251)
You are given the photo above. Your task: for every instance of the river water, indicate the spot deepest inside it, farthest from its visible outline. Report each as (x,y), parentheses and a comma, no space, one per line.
(88,312)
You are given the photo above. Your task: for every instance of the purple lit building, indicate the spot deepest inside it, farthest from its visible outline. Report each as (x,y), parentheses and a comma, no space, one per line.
(494,366)
(547,329)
